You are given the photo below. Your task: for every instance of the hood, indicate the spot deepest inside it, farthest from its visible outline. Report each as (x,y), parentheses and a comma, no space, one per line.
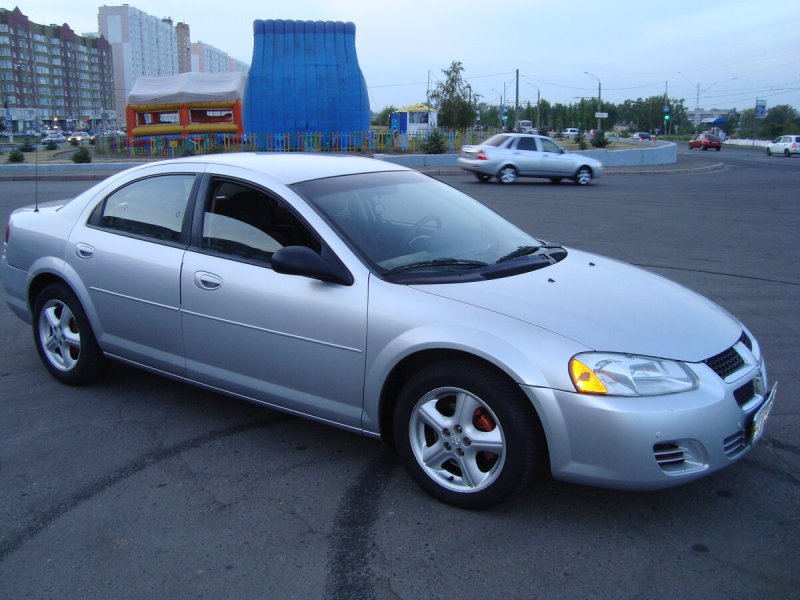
(606,305)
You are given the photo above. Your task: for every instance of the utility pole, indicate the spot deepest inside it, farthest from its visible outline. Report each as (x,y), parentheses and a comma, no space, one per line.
(516,102)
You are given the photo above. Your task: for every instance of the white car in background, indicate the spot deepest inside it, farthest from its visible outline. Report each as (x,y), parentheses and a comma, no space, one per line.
(785,144)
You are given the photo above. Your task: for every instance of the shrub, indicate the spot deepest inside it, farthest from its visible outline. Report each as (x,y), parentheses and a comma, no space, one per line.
(50,145)
(82,156)
(600,140)
(434,144)
(27,146)
(580,139)
(15,156)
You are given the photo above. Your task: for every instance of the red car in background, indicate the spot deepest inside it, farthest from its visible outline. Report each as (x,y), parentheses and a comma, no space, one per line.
(705,141)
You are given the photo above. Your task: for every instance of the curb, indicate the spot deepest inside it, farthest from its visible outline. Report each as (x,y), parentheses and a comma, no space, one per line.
(113,168)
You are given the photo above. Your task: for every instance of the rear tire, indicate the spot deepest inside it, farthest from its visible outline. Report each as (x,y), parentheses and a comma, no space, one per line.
(64,338)
(555,179)
(786,153)
(482,177)
(507,174)
(466,434)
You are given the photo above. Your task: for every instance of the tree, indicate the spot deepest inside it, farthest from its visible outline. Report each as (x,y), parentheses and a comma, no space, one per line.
(381,119)
(453,99)
(780,119)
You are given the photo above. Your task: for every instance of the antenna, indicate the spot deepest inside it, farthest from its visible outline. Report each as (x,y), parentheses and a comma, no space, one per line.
(36,178)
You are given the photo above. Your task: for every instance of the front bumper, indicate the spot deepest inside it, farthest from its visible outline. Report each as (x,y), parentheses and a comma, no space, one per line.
(654,442)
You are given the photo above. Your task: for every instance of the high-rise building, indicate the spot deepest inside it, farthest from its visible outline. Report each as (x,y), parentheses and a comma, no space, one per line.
(142,45)
(52,77)
(208,59)
(184,47)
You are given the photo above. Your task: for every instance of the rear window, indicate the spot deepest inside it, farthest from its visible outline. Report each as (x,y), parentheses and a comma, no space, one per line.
(497,140)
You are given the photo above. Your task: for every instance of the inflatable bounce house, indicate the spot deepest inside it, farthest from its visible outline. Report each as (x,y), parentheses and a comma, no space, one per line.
(186,104)
(304,79)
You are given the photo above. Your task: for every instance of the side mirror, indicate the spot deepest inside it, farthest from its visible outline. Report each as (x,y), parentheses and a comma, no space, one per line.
(303,261)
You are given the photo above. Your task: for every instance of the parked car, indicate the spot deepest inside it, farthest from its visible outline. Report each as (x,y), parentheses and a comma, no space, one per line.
(785,144)
(508,156)
(641,136)
(704,141)
(374,298)
(54,137)
(78,136)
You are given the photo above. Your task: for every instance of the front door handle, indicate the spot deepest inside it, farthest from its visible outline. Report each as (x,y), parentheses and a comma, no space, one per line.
(207,281)
(84,250)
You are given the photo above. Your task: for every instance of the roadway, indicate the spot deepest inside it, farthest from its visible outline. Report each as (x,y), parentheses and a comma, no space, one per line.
(139,487)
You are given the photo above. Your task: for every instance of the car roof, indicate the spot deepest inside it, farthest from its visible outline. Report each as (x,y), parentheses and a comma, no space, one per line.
(292,167)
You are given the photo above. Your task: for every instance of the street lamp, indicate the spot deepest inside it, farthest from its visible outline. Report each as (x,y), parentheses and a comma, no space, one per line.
(538,107)
(599,97)
(499,112)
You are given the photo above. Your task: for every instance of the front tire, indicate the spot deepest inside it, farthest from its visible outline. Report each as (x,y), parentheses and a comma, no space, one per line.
(64,338)
(583,176)
(466,434)
(769,152)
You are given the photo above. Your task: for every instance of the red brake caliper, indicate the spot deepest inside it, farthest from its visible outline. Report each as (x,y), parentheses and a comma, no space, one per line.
(482,420)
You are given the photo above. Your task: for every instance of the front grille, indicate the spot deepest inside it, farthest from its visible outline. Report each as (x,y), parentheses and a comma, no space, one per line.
(735,444)
(725,363)
(745,393)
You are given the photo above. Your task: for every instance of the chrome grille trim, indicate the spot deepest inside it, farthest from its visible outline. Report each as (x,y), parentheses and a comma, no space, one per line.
(725,363)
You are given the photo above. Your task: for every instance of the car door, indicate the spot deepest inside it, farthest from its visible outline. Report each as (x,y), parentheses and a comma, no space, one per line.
(128,255)
(526,156)
(285,340)
(556,162)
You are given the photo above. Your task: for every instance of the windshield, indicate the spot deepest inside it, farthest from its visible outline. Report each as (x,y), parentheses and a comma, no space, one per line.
(403,221)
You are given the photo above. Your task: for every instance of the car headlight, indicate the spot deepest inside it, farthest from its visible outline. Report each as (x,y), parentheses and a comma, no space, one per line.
(628,375)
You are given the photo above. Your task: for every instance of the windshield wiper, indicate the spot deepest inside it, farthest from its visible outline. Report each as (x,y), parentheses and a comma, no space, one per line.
(525,251)
(437,262)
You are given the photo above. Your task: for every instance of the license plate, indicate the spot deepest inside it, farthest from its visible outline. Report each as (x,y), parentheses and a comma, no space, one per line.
(760,418)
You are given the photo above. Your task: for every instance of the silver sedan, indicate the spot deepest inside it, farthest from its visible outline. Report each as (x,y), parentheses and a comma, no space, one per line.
(508,156)
(373,298)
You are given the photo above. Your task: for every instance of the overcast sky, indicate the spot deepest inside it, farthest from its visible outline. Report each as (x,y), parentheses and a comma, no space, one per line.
(735,50)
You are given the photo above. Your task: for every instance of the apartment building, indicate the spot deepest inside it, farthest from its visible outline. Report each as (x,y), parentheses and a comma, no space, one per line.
(141,45)
(52,77)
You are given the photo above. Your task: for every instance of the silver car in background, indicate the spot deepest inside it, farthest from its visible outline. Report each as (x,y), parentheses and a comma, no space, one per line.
(376,299)
(508,156)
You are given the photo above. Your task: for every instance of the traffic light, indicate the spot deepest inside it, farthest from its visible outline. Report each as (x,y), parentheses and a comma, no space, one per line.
(666,117)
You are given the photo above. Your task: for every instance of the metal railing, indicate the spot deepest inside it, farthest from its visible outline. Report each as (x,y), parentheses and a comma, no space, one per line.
(364,142)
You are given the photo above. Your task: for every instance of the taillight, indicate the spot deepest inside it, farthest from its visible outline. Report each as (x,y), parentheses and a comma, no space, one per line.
(482,155)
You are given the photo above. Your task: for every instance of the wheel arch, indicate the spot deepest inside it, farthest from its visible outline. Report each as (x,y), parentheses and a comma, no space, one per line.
(402,372)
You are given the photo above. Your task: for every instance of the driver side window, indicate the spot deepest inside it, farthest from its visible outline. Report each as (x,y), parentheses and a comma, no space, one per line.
(247,223)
